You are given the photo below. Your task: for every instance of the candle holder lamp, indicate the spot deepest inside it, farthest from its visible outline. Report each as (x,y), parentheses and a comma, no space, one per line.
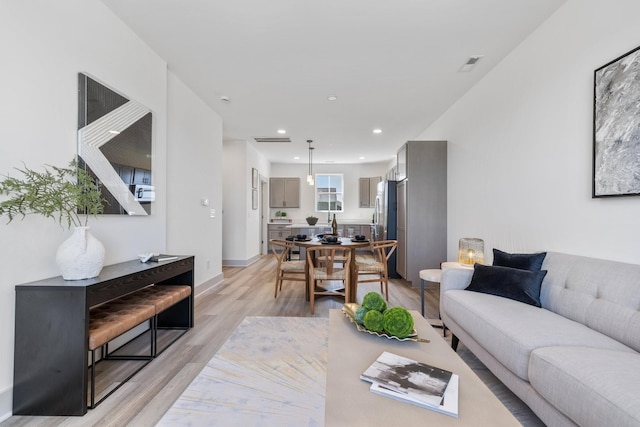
(470,251)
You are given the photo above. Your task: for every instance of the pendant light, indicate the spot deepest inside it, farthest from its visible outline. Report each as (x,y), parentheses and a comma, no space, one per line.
(310,180)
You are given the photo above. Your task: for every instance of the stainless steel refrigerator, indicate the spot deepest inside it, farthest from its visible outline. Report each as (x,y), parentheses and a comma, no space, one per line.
(386,219)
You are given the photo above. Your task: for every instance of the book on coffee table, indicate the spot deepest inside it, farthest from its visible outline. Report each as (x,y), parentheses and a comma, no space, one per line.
(413,382)
(449,405)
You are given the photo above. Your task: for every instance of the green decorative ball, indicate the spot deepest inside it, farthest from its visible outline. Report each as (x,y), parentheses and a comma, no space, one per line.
(374,321)
(360,312)
(374,301)
(398,321)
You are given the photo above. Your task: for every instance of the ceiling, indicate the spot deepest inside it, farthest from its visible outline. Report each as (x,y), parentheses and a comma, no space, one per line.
(392,64)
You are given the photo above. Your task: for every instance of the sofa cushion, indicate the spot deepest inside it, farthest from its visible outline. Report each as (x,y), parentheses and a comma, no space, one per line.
(521,261)
(510,330)
(593,387)
(519,285)
(604,295)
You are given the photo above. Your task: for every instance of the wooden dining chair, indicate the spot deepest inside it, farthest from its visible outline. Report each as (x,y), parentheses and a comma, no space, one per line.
(325,265)
(286,269)
(382,251)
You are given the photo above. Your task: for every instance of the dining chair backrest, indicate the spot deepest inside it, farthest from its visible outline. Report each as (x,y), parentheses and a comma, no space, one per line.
(281,249)
(286,269)
(383,249)
(326,263)
(326,257)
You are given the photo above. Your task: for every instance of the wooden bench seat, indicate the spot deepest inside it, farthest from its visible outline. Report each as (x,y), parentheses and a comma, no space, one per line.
(109,321)
(161,297)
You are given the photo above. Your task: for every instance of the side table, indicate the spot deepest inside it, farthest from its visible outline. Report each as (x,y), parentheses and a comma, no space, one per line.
(434,275)
(430,275)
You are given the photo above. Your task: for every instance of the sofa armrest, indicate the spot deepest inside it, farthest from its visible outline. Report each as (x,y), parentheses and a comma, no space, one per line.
(455,278)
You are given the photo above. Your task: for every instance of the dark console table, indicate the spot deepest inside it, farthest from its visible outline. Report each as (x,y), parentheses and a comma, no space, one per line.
(51,332)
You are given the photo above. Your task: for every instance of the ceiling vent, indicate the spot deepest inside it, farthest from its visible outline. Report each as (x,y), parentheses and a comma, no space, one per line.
(272,139)
(471,62)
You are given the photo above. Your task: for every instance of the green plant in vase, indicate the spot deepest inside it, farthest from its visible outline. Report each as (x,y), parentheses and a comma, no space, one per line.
(312,220)
(67,195)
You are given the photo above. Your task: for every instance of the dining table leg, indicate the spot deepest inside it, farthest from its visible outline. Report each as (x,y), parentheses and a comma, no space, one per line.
(353,277)
(307,276)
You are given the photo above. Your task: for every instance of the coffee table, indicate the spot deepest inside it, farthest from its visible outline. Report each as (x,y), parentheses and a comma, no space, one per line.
(349,401)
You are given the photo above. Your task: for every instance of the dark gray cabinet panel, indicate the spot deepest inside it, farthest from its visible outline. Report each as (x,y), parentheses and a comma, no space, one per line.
(422,208)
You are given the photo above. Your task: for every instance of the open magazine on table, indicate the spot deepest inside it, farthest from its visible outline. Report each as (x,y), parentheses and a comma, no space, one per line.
(414,382)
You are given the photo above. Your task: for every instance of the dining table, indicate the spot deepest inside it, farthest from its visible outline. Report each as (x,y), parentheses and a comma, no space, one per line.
(347,243)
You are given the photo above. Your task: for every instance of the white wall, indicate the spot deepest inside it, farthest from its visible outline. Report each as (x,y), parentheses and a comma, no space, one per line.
(241,232)
(351,172)
(520,142)
(194,173)
(44,45)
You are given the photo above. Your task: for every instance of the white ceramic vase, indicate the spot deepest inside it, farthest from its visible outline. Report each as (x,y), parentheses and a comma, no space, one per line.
(81,256)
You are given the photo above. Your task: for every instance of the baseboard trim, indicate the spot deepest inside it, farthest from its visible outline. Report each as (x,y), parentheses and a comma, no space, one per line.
(240,262)
(6,404)
(210,284)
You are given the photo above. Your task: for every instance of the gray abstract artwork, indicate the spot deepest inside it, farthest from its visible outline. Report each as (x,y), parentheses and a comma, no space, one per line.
(616,160)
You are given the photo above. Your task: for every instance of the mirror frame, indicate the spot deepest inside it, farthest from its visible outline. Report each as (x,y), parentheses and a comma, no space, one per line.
(115,144)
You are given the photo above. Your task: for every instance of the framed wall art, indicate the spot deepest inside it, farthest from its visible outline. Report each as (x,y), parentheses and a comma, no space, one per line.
(616,127)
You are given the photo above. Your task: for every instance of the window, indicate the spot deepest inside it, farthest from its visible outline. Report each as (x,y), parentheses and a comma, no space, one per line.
(329,193)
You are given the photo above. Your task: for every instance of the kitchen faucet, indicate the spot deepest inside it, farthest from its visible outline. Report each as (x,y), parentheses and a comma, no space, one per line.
(329,216)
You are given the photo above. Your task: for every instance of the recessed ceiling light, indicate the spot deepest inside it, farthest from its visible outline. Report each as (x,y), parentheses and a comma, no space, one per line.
(282,131)
(296,158)
(362,157)
(377,131)
(225,98)
(115,132)
(332,98)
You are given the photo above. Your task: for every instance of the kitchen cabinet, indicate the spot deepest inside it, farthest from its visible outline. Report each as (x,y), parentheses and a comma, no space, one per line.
(368,191)
(280,231)
(284,192)
(422,209)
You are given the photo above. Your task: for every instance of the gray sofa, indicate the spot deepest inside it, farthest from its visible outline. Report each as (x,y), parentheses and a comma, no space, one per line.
(575,360)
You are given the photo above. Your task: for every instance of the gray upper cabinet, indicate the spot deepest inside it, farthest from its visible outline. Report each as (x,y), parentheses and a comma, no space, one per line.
(284,192)
(368,191)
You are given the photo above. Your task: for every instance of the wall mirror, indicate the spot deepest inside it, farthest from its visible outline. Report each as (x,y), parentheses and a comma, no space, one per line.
(114,145)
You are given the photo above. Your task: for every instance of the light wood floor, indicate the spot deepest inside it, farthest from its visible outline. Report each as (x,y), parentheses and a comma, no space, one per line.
(245,292)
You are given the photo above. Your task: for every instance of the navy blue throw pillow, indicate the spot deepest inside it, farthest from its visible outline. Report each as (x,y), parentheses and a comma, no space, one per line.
(520,285)
(521,261)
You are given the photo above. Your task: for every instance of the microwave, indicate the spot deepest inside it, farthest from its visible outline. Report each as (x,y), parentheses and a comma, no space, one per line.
(144,193)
